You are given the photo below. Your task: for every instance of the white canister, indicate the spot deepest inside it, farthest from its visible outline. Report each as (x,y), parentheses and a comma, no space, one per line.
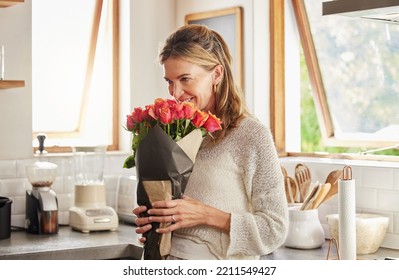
(304,229)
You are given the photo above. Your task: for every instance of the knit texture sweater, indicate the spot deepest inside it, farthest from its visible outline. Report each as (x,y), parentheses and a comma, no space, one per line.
(240,175)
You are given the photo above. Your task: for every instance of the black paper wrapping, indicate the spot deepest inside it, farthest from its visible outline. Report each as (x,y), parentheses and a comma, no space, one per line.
(160,158)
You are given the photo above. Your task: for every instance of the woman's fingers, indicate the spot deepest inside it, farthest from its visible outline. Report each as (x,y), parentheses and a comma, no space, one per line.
(163,219)
(142,239)
(177,213)
(143,229)
(165,203)
(138,210)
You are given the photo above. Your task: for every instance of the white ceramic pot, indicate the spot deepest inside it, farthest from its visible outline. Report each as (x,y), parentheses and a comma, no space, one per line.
(304,230)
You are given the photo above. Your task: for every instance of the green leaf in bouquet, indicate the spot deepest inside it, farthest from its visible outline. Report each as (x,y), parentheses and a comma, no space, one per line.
(129,162)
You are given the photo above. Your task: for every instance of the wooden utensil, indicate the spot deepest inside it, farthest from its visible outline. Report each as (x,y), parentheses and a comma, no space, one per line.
(294,190)
(332,178)
(303,179)
(285,173)
(324,189)
(306,205)
(288,190)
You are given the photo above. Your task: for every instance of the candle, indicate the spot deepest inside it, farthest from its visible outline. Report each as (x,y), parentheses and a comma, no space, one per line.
(2,63)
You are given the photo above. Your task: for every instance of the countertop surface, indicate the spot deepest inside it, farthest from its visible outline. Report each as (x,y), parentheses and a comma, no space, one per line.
(123,243)
(69,244)
(284,253)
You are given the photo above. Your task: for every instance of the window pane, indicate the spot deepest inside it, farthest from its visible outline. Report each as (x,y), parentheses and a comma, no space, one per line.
(72,102)
(358,64)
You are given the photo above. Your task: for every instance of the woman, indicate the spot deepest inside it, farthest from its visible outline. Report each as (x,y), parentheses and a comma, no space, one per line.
(234,205)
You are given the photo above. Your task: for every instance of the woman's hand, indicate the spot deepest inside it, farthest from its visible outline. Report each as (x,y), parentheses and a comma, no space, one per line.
(143,223)
(187,212)
(181,213)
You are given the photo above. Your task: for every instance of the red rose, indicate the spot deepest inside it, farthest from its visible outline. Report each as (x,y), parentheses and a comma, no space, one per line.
(189,110)
(165,115)
(130,122)
(199,118)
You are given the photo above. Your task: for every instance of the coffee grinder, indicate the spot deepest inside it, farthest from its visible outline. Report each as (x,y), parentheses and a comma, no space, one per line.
(41,200)
(90,211)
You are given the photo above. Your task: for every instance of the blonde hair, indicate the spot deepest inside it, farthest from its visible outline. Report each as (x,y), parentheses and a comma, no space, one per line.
(206,48)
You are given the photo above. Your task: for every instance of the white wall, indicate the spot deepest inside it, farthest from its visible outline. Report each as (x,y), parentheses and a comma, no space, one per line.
(16,103)
(151,23)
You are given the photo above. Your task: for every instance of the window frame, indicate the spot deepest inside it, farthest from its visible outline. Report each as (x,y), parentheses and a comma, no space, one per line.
(277,85)
(115,82)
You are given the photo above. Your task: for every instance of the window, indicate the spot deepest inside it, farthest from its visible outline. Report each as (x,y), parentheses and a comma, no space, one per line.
(353,75)
(75,72)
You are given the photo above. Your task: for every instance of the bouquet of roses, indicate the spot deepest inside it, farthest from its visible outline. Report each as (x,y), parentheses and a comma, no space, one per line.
(166,138)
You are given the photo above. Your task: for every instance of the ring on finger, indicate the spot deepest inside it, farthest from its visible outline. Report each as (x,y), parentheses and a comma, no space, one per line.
(173,218)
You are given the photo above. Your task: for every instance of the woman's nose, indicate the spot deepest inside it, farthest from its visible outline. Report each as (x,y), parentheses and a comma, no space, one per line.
(177,91)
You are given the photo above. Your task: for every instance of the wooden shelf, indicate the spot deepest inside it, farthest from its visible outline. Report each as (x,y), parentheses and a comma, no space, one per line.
(5,84)
(8,3)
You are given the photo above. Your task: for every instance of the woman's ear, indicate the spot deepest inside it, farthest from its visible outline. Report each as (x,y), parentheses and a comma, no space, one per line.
(218,72)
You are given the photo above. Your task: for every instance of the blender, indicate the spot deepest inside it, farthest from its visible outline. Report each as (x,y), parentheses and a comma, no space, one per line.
(41,203)
(90,212)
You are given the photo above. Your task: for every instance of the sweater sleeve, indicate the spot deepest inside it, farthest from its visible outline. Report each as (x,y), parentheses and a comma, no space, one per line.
(264,227)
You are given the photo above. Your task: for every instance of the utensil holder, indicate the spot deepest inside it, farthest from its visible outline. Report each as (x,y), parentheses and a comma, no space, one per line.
(304,229)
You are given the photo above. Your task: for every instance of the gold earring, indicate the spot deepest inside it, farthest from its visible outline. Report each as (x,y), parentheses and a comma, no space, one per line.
(214,88)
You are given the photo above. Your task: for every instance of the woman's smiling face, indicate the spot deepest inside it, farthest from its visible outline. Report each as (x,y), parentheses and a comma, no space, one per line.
(190,82)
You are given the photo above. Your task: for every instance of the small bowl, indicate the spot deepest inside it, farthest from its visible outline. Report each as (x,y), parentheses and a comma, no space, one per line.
(370,231)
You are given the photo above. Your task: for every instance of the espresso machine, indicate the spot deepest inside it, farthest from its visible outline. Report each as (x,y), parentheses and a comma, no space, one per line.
(90,211)
(41,201)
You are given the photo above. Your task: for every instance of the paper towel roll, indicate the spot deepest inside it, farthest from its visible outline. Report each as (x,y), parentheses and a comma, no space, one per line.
(347,219)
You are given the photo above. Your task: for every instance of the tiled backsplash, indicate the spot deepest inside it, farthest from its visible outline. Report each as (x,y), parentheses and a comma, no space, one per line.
(13,184)
(377,187)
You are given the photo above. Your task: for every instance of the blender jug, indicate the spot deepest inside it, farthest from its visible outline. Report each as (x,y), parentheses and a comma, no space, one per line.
(89,180)
(90,211)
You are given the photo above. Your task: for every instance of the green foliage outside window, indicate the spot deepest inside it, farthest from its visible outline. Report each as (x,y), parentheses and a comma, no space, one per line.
(311,140)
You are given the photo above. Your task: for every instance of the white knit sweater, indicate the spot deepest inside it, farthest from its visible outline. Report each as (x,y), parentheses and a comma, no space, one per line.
(240,175)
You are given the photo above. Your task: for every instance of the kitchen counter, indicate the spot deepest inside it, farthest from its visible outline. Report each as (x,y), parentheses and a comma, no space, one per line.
(284,253)
(123,244)
(68,244)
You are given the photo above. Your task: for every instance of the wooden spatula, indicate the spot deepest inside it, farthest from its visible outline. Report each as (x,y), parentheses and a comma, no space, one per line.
(288,190)
(332,178)
(306,205)
(303,179)
(324,189)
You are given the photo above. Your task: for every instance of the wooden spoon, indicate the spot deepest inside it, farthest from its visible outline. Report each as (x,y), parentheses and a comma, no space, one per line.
(332,178)
(284,170)
(294,190)
(306,205)
(288,190)
(322,194)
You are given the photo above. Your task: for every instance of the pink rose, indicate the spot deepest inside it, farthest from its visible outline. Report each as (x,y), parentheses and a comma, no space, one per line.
(199,118)
(212,123)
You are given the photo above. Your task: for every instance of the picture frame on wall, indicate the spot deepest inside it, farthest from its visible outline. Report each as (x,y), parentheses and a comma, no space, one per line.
(229,24)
